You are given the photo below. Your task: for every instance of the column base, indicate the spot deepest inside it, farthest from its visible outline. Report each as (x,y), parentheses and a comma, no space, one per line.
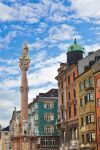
(23,143)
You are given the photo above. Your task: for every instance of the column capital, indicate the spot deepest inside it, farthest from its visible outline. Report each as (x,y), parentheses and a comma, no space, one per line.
(24,63)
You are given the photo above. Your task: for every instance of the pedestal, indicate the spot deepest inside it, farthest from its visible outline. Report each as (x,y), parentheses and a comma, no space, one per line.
(24,143)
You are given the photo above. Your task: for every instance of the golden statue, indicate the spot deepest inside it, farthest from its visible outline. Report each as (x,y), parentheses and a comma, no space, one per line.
(25,51)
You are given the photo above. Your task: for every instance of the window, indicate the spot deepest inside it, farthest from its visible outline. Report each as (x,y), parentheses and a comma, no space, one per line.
(99,139)
(85,83)
(82,122)
(89,97)
(61,84)
(82,138)
(90,137)
(49,116)
(98,101)
(74,93)
(74,110)
(36,117)
(6,133)
(68,95)
(81,86)
(62,98)
(81,102)
(74,76)
(48,105)
(69,112)
(90,119)
(36,106)
(36,130)
(68,79)
(99,121)
(90,81)
(49,129)
(62,113)
(98,82)
(46,142)
(86,99)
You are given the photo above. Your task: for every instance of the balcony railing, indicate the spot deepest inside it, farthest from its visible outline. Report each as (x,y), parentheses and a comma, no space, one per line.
(89,88)
(62,107)
(61,123)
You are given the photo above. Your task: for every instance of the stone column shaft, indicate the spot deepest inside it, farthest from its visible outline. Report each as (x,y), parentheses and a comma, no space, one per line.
(24,62)
(24,96)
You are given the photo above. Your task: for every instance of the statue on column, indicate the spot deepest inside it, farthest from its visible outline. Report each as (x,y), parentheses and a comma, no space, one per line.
(25,51)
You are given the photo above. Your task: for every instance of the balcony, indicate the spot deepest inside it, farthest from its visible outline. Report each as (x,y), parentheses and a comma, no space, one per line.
(61,124)
(89,88)
(62,107)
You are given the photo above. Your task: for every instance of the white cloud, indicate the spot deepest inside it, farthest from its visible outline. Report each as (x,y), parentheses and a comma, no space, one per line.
(17,13)
(57,18)
(38,58)
(89,48)
(86,9)
(8,100)
(9,61)
(35,91)
(64,32)
(36,45)
(46,70)
(58,11)
(10,70)
(11,83)
(4,41)
(32,12)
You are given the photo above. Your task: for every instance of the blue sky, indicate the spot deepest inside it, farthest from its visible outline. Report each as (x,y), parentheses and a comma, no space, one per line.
(49,27)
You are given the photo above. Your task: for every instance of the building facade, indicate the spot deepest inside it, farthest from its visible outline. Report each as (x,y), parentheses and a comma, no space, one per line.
(86,106)
(89,72)
(5,138)
(62,114)
(45,107)
(67,100)
(72,108)
(96,69)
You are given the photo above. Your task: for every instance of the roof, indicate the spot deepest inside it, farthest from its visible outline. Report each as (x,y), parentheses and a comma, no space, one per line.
(51,93)
(5,129)
(75,47)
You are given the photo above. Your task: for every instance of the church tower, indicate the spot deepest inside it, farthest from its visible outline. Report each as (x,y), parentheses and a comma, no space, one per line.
(74,53)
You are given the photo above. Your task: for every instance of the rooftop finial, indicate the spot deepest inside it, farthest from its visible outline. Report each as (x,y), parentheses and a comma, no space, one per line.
(75,41)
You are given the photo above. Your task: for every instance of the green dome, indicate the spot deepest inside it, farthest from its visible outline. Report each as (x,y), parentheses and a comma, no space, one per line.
(75,47)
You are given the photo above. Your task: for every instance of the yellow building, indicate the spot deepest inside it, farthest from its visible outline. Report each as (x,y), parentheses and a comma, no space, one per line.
(86,105)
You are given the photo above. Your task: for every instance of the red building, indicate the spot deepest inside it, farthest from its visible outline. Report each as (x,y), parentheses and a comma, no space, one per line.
(67,102)
(72,107)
